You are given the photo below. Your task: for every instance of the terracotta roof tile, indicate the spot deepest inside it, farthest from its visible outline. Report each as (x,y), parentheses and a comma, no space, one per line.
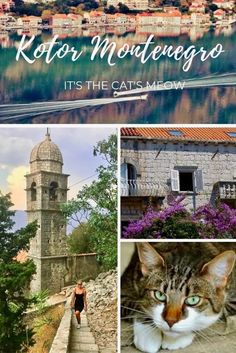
(188,134)
(219,12)
(60,15)
(161,14)
(22,256)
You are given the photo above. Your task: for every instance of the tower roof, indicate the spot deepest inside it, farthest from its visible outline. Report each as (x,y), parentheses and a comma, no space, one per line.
(46,151)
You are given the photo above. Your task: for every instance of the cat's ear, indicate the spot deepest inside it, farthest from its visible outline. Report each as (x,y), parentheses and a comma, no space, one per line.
(149,258)
(218,270)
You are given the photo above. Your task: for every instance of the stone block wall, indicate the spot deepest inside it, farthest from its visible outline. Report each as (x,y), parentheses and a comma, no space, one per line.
(61,341)
(46,165)
(56,272)
(50,238)
(43,180)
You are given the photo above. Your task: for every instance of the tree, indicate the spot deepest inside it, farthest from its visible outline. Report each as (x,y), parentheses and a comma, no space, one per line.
(213,7)
(176,3)
(123,8)
(110,10)
(99,201)
(15,278)
(46,14)
(79,240)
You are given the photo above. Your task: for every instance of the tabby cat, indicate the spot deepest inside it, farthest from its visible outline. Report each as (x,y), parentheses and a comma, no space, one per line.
(173,290)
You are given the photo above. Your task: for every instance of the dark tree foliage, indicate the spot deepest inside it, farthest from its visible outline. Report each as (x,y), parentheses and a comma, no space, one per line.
(57,6)
(110,10)
(15,278)
(123,8)
(98,201)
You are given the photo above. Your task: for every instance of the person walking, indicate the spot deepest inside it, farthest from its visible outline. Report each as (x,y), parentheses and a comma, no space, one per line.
(79,301)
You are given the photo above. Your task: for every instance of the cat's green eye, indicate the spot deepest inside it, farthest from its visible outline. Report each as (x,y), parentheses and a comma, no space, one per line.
(193,300)
(160,296)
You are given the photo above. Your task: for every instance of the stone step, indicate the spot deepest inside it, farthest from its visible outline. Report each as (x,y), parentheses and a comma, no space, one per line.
(78,351)
(83,321)
(81,329)
(74,323)
(81,325)
(108,350)
(80,334)
(84,347)
(82,339)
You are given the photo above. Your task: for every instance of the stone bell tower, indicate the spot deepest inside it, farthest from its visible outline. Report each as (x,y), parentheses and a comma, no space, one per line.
(46,189)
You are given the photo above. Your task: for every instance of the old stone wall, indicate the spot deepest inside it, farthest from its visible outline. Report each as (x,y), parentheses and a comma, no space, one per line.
(154,161)
(61,341)
(43,180)
(47,165)
(102,310)
(56,272)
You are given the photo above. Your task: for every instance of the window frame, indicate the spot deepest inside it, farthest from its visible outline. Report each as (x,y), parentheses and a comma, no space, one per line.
(197,175)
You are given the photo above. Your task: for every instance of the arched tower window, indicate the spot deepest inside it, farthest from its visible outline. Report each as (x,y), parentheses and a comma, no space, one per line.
(33,191)
(53,191)
(131,171)
(128,179)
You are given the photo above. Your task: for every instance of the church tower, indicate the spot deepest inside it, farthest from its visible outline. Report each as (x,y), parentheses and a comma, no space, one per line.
(46,189)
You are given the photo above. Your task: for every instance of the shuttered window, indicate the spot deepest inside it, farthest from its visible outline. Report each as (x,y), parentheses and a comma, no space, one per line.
(175,180)
(187,180)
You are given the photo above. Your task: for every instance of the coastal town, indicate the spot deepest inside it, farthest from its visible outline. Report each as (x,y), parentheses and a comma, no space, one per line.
(132,14)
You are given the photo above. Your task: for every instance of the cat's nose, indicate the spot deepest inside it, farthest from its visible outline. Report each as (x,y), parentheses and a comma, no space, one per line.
(171,315)
(171,321)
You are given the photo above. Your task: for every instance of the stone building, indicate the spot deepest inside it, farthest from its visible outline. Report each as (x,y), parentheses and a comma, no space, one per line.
(46,189)
(131,4)
(158,164)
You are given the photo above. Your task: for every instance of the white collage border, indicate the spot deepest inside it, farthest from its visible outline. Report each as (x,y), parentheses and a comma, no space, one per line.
(117,127)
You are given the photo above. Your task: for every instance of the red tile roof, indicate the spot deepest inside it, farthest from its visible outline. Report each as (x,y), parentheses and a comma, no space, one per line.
(188,134)
(219,12)
(22,256)
(60,15)
(160,14)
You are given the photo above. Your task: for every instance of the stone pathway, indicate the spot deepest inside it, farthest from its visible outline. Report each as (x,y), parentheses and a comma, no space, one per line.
(82,340)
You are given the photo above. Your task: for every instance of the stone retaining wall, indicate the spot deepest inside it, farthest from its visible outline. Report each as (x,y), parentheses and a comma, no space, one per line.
(56,272)
(61,341)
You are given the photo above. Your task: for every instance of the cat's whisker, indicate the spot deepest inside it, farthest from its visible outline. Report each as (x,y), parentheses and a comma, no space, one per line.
(221,321)
(132,309)
(201,345)
(128,339)
(213,331)
(127,317)
(207,339)
(137,316)
(126,329)
(149,329)
(203,335)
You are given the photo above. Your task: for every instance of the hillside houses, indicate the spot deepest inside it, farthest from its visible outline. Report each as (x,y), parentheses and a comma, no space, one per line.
(164,18)
(7,21)
(197,7)
(167,17)
(219,14)
(29,22)
(62,20)
(95,18)
(131,4)
(6,5)
(222,4)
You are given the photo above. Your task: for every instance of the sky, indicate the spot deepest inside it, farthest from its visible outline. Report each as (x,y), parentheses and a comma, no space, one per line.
(75,143)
